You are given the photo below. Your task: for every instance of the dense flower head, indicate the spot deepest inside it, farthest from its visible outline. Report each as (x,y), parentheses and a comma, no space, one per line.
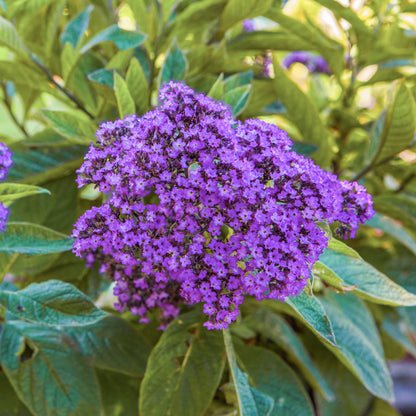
(5,163)
(314,63)
(204,208)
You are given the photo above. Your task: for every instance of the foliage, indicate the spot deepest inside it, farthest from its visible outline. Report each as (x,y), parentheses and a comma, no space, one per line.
(67,66)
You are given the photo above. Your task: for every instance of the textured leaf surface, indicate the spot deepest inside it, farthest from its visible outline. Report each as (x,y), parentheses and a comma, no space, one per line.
(184,369)
(51,303)
(238,98)
(35,355)
(370,283)
(137,86)
(359,344)
(125,102)
(272,326)
(274,378)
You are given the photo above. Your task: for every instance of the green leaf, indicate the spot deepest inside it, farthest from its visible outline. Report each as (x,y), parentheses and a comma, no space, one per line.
(10,405)
(217,89)
(393,228)
(9,192)
(10,38)
(237,10)
(398,124)
(238,80)
(238,99)
(70,125)
(102,76)
(303,112)
(125,102)
(369,283)
(122,38)
(359,345)
(75,29)
(304,149)
(311,312)
(119,393)
(399,331)
(250,401)
(273,327)
(138,8)
(380,408)
(175,65)
(35,355)
(184,369)
(28,7)
(112,344)
(27,238)
(51,303)
(137,85)
(274,378)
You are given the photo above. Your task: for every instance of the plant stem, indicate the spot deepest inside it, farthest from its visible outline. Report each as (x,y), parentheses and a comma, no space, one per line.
(405,182)
(68,93)
(11,113)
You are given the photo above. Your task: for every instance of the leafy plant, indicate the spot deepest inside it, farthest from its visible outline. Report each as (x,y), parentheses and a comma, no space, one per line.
(66,67)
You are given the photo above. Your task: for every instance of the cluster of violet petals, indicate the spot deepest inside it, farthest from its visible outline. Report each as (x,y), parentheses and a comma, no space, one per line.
(204,208)
(5,163)
(314,63)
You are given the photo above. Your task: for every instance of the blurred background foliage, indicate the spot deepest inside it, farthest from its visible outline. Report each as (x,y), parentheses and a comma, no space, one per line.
(66,66)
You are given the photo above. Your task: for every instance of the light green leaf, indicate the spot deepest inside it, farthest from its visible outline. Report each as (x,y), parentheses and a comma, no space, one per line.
(238,99)
(184,370)
(122,38)
(102,76)
(303,112)
(275,379)
(125,102)
(340,247)
(35,355)
(217,89)
(369,283)
(137,85)
(175,64)
(138,8)
(29,7)
(237,10)
(10,38)
(238,80)
(398,124)
(27,238)
(393,228)
(250,401)
(75,29)
(359,345)
(71,125)
(9,192)
(168,7)
(51,303)
(273,327)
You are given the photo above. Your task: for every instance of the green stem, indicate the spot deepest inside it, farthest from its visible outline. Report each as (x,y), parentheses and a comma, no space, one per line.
(232,362)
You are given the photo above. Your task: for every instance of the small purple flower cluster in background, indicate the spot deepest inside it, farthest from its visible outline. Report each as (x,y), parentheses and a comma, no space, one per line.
(5,163)
(204,208)
(314,63)
(248,25)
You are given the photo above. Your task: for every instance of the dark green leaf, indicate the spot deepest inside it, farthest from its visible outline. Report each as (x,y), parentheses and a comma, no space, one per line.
(75,29)
(9,192)
(274,378)
(400,333)
(35,355)
(359,345)
(122,38)
(112,344)
(27,238)
(273,327)
(10,405)
(51,303)
(125,102)
(303,148)
(184,369)
(238,99)
(175,64)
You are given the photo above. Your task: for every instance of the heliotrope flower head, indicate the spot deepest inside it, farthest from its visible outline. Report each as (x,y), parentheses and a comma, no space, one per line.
(204,208)
(5,163)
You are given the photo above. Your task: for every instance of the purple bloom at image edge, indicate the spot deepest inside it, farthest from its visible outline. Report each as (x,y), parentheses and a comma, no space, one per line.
(206,173)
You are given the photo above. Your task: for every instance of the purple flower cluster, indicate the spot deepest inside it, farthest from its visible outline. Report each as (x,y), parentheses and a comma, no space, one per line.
(204,208)
(248,25)
(5,163)
(314,63)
